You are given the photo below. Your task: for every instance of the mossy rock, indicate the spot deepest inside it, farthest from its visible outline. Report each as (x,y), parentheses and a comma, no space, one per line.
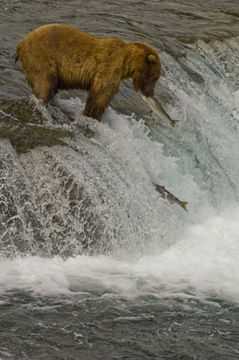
(26,137)
(20,110)
(22,127)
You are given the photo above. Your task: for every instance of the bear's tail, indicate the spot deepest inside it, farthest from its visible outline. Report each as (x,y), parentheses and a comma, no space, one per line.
(17,55)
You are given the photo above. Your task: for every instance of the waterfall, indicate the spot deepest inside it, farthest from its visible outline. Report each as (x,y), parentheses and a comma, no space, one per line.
(96,195)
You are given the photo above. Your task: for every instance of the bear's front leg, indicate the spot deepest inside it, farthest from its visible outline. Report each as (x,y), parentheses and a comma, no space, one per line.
(100,95)
(95,106)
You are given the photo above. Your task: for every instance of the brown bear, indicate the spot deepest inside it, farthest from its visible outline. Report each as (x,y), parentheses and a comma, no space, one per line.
(57,56)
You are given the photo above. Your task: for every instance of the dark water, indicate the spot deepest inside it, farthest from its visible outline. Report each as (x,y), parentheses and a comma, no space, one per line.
(110,328)
(139,301)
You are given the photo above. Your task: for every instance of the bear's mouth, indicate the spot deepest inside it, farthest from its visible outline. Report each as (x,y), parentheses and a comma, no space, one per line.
(148,93)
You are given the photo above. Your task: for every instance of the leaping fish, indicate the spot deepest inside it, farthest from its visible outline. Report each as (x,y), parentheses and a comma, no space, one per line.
(170,197)
(157,108)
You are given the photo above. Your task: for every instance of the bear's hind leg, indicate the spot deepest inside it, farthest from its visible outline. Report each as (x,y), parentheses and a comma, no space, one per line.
(45,88)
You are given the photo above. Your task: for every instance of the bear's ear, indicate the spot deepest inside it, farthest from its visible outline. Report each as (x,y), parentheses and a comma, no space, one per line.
(151,59)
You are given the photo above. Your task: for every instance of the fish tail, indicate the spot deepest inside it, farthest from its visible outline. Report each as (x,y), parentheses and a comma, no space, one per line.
(174,122)
(184,204)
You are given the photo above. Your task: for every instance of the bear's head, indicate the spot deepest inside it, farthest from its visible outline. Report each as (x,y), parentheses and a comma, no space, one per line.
(146,68)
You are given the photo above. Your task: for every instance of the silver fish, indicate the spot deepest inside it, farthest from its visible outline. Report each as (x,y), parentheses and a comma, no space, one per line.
(170,197)
(157,108)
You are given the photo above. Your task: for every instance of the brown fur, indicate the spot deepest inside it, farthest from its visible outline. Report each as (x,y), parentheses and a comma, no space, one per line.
(55,57)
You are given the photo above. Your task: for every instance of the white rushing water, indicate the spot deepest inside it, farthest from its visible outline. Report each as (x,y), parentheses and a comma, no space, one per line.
(157,248)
